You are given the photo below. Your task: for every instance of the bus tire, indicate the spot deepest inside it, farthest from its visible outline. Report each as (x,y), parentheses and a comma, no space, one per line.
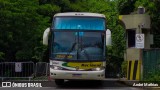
(59,82)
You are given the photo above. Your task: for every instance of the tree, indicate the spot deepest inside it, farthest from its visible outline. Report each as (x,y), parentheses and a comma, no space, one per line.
(23,21)
(21,29)
(153,9)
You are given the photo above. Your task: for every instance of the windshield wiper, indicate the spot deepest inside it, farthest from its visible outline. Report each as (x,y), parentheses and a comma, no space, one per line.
(71,49)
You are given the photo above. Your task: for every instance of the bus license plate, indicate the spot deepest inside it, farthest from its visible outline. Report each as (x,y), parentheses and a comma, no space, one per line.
(77,75)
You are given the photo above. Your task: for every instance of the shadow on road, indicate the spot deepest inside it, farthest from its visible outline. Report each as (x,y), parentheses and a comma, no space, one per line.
(91,84)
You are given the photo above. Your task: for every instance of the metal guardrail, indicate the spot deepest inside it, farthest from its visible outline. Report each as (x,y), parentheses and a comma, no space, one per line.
(24,70)
(42,69)
(17,70)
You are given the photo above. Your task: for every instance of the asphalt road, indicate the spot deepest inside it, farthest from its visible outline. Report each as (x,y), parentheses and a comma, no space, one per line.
(80,85)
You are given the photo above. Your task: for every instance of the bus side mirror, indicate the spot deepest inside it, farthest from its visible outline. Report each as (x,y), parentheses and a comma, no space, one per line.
(108,38)
(45,36)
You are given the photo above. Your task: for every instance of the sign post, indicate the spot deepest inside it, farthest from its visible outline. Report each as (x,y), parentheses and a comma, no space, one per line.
(140,41)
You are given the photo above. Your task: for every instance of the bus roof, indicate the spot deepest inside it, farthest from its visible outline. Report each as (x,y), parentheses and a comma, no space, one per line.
(82,14)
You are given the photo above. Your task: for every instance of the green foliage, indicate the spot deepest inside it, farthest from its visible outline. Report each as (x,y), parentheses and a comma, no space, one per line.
(126,6)
(152,77)
(124,68)
(2,56)
(118,37)
(23,22)
(48,9)
(152,8)
(21,28)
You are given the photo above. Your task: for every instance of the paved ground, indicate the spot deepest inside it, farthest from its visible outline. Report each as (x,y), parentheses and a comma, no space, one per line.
(108,84)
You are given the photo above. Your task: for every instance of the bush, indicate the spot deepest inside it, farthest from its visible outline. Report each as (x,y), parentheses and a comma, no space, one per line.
(124,69)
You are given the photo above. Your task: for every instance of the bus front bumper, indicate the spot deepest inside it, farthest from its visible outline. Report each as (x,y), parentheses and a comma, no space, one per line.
(86,75)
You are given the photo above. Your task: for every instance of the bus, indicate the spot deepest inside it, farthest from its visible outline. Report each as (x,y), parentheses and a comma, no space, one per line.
(77,44)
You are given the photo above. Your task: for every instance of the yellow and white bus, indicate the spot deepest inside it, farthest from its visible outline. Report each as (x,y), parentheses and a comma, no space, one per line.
(77,46)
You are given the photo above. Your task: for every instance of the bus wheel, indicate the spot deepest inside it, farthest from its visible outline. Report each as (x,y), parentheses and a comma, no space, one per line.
(59,82)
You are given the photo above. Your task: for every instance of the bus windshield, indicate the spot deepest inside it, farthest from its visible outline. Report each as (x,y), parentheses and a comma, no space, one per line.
(74,45)
(75,23)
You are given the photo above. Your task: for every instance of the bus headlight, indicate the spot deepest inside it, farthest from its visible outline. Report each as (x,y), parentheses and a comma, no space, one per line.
(97,69)
(55,67)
